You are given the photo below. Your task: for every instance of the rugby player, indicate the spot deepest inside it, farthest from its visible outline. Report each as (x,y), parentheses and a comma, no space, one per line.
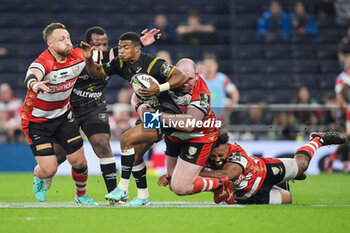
(131,61)
(47,115)
(254,179)
(188,148)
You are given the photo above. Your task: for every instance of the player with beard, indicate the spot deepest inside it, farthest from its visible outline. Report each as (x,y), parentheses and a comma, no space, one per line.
(47,115)
(131,61)
(254,179)
(90,108)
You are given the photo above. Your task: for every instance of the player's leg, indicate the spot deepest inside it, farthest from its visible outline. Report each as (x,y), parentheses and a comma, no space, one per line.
(279,196)
(139,173)
(61,157)
(305,153)
(185,180)
(46,168)
(39,136)
(96,127)
(68,136)
(101,146)
(131,138)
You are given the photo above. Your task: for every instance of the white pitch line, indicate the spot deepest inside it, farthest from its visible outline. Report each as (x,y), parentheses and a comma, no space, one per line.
(106,205)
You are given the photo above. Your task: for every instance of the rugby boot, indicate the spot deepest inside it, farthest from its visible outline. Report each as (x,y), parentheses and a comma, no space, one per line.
(220,194)
(329,138)
(85,200)
(39,189)
(139,202)
(117,194)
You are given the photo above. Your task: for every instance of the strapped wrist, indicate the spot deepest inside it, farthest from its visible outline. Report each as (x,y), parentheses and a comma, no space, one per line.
(164,87)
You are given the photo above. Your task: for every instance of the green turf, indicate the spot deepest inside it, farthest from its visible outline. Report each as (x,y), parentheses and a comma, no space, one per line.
(321,204)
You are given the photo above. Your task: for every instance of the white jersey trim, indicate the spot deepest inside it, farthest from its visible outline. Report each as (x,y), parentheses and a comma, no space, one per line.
(54,97)
(50,114)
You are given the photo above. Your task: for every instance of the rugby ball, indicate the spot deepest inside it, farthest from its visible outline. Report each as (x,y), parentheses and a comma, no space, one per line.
(142,81)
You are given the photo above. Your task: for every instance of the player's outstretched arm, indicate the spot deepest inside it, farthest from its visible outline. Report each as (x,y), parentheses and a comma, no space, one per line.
(231,170)
(93,69)
(149,37)
(33,81)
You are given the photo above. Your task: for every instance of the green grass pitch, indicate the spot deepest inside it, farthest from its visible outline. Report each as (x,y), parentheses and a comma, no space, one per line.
(321,204)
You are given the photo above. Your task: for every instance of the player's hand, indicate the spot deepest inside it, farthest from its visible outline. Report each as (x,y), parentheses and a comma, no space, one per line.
(87,50)
(40,87)
(164,180)
(152,90)
(143,108)
(150,37)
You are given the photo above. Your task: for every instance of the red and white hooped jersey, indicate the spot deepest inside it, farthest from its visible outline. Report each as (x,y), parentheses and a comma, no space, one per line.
(208,132)
(254,172)
(61,77)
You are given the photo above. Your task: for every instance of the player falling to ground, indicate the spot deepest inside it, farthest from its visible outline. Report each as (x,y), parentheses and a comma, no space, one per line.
(254,179)
(188,148)
(47,115)
(131,61)
(90,108)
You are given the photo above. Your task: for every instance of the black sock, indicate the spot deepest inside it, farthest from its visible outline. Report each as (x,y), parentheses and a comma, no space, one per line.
(139,174)
(109,173)
(128,157)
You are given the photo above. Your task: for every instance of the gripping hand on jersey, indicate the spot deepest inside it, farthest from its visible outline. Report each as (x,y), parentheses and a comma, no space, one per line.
(87,50)
(150,37)
(40,87)
(144,108)
(152,90)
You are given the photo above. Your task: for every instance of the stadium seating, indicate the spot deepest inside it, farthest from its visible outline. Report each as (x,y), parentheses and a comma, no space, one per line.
(259,69)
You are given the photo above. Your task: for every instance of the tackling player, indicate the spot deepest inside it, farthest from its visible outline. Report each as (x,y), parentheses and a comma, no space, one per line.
(254,179)
(188,148)
(129,62)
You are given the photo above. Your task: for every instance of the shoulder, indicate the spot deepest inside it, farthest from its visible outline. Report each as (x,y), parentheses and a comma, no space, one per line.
(44,62)
(77,53)
(201,87)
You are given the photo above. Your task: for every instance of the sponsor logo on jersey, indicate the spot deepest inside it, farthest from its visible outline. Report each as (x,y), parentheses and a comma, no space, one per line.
(62,87)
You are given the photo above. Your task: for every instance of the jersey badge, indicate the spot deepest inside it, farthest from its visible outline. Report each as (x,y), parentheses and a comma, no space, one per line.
(191,151)
(166,68)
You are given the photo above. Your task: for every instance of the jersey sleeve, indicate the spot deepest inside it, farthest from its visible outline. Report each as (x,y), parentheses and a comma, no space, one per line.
(238,158)
(201,97)
(160,68)
(112,67)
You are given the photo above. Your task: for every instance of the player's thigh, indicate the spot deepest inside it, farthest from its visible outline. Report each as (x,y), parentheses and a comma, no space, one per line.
(184,173)
(60,153)
(138,135)
(170,164)
(196,153)
(95,122)
(68,135)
